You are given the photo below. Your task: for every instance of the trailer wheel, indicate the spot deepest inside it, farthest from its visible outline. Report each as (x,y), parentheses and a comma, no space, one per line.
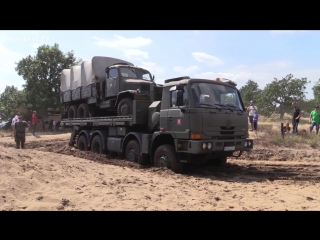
(82,143)
(165,156)
(96,144)
(125,107)
(83,111)
(72,111)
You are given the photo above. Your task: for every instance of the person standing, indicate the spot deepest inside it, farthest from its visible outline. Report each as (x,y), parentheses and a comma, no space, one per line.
(295,118)
(20,132)
(34,122)
(255,120)
(14,120)
(251,110)
(315,119)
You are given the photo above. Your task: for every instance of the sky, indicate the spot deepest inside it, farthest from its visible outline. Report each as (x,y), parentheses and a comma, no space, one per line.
(241,55)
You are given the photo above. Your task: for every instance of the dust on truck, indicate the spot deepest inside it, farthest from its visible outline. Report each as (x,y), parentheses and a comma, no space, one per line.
(104,86)
(192,121)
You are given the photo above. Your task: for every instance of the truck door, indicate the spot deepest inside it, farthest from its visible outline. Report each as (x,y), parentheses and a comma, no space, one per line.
(178,122)
(112,83)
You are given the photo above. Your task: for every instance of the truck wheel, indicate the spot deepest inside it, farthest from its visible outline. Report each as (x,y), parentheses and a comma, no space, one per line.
(83,111)
(82,143)
(125,107)
(220,162)
(133,151)
(72,111)
(165,156)
(96,145)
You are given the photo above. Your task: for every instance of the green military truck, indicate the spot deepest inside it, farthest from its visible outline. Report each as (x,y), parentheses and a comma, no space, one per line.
(191,121)
(104,86)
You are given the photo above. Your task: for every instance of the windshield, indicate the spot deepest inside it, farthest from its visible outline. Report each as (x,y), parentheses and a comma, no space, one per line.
(137,73)
(216,96)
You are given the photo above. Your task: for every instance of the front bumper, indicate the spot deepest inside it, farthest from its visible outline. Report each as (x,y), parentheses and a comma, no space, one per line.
(196,146)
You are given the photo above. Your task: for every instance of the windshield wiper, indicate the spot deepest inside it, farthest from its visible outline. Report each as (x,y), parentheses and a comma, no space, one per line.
(234,107)
(223,105)
(210,105)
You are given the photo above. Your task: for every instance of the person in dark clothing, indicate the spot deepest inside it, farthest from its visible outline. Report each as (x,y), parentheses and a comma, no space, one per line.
(20,132)
(295,118)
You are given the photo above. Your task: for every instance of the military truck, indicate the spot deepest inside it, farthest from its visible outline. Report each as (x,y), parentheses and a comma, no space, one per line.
(104,86)
(192,121)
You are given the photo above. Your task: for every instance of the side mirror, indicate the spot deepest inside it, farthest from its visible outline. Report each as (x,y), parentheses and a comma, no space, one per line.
(153,78)
(179,98)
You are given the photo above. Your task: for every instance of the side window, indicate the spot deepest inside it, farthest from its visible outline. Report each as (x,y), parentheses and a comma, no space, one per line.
(113,73)
(173,98)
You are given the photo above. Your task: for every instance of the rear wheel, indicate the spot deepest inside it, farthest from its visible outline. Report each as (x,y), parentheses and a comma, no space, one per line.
(165,156)
(96,144)
(83,111)
(82,143)
(125,107)
(72,111)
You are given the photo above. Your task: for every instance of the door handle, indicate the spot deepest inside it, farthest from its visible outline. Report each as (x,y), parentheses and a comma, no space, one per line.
(170,118)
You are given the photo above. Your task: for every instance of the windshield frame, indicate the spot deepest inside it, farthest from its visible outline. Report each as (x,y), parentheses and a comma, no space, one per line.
(216,105)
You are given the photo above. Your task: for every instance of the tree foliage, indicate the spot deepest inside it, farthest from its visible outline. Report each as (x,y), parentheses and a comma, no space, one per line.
(250,91)
(316,91)
(10,100)
(279,94)
(42,75)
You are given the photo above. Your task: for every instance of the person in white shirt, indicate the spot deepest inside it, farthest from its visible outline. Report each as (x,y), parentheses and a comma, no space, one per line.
(14,120)
(54,125)
(251,109)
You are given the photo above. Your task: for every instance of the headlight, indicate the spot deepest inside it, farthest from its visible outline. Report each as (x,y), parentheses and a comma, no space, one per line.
(245,144)
(209,145)
(204,145)
(249,143)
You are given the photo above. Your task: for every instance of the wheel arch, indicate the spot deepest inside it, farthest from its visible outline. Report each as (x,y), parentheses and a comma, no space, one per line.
(131,136)
(159,139)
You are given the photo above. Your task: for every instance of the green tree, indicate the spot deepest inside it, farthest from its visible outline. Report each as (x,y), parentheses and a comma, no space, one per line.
(279,94)
(11,99)
(42,75)
(316,91)
(250,91)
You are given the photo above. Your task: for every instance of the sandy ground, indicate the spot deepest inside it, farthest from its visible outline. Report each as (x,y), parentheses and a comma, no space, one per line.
(50,175)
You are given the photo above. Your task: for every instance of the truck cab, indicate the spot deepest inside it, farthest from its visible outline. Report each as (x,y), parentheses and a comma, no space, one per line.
(202,119)
(125,83)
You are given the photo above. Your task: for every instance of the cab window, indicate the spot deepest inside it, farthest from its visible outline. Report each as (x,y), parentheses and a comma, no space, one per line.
(113,73)
(173,98)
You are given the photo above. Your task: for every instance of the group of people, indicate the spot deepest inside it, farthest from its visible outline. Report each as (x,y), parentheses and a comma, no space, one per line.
(20,127)
(314,118)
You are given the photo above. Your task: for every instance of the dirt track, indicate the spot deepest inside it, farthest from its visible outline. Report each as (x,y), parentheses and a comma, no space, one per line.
(276,179)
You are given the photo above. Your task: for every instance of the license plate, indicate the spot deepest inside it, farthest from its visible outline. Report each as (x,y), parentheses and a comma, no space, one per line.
(230,148)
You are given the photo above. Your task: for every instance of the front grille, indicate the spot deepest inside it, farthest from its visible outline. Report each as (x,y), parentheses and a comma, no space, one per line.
(145,87)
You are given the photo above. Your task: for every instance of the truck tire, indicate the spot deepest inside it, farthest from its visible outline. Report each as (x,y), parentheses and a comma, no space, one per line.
(165,156)
(96,145)
(82,143)
(72,111)
(125,107)
(220,162)
(133,151)
(83,111)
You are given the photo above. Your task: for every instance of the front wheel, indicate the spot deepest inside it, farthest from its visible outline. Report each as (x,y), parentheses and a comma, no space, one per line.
(125,107)
(165,156)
